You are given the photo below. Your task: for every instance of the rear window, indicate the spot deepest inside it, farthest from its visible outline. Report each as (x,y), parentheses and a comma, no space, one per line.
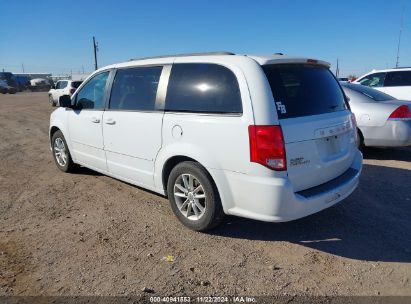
(203,88)
(76,84)
(370,93)
(304,90)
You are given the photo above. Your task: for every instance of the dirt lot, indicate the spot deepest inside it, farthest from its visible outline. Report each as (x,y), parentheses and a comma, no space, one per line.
(87,234)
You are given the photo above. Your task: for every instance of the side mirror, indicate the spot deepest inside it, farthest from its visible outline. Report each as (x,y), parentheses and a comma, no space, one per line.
(65,101)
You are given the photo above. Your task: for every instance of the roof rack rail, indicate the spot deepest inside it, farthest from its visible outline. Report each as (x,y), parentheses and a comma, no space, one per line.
(182,55)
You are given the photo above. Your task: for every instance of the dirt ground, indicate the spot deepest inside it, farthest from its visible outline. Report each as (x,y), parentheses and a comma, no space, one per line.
(88,234)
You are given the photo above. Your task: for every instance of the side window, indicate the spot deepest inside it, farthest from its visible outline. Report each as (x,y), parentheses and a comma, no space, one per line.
(91,95)
(63,84)
(204,88)
(135,89)
(58,85)
(398,79)
(374,80)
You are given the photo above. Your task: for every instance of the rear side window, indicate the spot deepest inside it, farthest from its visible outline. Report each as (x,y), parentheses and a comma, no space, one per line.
(398,79)
(203,88)
(303,90)
(373,80)
(135,89)
(76,84)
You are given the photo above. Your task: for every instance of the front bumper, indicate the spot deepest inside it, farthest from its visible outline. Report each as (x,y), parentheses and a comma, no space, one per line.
(274,200)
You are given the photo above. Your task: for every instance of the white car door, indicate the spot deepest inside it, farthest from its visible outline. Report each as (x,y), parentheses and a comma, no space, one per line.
(85,123)
(132,123)
(54,92)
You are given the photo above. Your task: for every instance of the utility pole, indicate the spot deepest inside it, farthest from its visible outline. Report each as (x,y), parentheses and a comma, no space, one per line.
(95,48)
(82,68)
(22,67)
(399,38)
(337,70)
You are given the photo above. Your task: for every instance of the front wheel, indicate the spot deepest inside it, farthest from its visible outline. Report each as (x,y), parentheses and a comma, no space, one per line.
(61,153)
(51,101)
(193,197)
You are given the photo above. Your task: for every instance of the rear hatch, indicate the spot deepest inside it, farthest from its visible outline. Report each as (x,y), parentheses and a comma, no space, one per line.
(318,130)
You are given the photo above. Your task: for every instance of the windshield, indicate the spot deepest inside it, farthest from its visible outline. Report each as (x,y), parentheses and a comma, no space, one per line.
(303,90)
(369,92)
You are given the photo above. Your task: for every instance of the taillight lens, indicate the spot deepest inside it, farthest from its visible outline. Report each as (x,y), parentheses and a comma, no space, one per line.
(267,147)
(401,113)
(354,126)
(72,90)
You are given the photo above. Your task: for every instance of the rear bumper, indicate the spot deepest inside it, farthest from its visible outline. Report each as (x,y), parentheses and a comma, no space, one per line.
(396,133)
(274,200)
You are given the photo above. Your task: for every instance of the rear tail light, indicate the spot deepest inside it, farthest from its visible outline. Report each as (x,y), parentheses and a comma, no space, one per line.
(72,90)
(354,126)
(401,113)
(267,147)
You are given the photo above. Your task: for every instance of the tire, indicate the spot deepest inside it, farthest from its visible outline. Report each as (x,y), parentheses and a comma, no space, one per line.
(51,101)
(361,145)
(63,160)
(191,202)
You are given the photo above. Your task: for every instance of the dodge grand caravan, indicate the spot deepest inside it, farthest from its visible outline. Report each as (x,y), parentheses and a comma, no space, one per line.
(268,138)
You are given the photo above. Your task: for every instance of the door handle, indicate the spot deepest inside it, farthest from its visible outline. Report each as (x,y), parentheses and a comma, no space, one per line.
(95,119)
(110,121)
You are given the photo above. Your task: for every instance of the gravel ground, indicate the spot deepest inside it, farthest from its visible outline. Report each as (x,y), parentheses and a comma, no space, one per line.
(88,234)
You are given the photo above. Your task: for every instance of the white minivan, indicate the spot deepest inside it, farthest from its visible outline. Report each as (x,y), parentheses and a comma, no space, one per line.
(269,138)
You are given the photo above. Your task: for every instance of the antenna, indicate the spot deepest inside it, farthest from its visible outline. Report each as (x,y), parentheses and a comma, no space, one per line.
(399,38)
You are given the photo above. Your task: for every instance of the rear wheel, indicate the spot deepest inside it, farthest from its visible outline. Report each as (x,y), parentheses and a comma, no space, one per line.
(193,197)
(61,153)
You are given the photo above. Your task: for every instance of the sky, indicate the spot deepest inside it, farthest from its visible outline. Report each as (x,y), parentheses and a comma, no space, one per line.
(56,36)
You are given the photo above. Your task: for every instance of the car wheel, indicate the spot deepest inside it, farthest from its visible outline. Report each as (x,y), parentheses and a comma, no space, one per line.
(61,153)
(360,140)
(193,197)
(51,101)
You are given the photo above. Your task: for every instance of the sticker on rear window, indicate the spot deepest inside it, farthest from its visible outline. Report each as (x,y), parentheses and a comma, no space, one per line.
(281,107)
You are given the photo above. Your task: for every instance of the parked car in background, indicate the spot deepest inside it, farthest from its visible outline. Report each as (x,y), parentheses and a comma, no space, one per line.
(268,138)
(39,85)
(11,81)
(23,82)
(343,79)
(382,120)
(395,82)
(5,88)
(62,87)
